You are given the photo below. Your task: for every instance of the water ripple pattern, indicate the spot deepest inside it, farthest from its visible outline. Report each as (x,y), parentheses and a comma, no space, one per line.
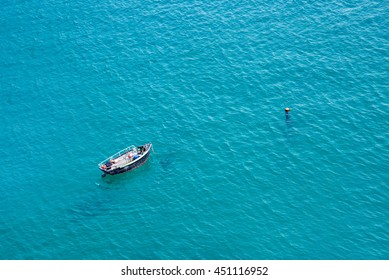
(231,177)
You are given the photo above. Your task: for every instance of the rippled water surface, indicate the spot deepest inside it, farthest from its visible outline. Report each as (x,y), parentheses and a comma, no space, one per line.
(231,177)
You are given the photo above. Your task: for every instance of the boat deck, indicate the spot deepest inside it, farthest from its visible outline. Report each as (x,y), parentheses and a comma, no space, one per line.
(121,159)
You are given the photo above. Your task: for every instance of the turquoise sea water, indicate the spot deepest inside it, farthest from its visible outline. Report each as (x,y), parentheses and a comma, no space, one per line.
(206,82)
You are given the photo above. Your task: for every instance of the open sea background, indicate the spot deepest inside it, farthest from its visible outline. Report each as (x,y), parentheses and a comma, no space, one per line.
(207,83)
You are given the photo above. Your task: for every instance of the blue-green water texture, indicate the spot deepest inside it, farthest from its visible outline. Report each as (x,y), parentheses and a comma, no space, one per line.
(231,176)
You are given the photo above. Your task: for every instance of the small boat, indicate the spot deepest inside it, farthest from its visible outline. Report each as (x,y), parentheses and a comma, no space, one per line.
(125,160)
